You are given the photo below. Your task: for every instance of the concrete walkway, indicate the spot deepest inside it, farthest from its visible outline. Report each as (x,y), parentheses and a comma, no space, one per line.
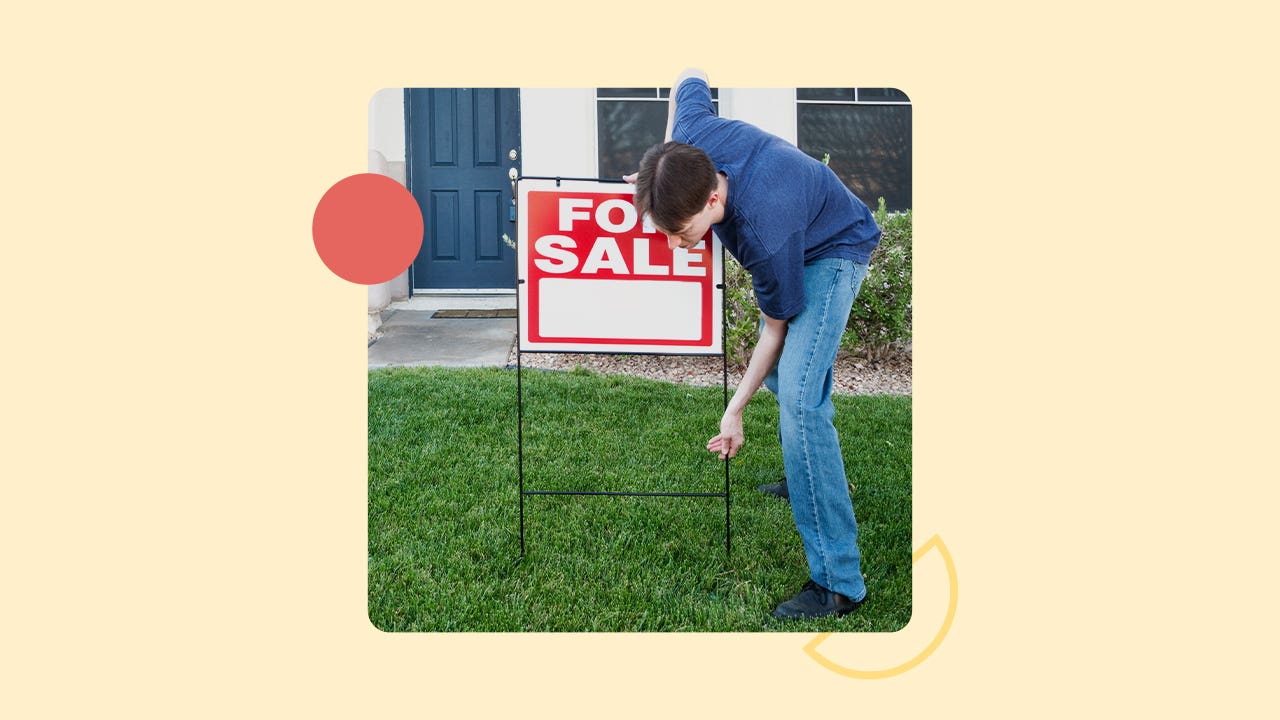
(410,336)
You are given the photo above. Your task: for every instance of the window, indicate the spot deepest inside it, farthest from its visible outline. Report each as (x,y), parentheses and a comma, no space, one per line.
(867,132)
(628,122)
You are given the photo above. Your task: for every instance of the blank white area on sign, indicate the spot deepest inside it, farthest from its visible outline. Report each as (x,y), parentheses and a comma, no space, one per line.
(619,309)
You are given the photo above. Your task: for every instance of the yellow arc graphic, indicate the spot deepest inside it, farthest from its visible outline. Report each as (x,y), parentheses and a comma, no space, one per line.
(812,647)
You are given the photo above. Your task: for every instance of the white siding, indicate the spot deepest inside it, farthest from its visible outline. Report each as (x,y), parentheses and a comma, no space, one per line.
(558,132)
(386,157)
(386,124)
(770,109)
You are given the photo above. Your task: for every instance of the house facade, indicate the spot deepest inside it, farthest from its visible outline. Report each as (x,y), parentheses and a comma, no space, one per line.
(458,151)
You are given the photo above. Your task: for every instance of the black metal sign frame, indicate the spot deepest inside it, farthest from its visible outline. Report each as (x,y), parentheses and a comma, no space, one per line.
(721,286)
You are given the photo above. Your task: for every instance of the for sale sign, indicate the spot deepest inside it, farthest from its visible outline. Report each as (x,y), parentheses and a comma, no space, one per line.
(595,277)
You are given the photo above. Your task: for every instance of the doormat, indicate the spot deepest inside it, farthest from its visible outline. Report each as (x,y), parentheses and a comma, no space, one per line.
(502,313)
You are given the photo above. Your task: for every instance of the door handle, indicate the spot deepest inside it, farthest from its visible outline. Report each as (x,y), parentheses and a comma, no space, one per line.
(513,174)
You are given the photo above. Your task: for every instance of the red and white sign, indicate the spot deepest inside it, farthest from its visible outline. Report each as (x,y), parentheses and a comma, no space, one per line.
(596,278)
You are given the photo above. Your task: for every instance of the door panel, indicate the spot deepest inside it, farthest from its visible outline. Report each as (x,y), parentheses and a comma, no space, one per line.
(459,145)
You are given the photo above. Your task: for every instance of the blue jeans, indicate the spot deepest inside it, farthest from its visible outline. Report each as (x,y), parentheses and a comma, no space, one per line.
(802,382)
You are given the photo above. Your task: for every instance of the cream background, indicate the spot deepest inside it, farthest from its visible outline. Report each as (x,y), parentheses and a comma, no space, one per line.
(183,517)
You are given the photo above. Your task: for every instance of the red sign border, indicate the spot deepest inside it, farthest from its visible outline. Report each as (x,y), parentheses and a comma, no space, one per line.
(710,342)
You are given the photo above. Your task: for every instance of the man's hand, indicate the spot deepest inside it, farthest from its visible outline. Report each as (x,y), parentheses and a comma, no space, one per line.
(763,358)
(730,439)
(630,178)
(671,102)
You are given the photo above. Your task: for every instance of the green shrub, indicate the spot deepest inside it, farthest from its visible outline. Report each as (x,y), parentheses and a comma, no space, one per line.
(742,315)
(881,317)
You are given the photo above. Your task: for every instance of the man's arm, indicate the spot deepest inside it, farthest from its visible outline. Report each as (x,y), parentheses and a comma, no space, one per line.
(671,108)
(763,358)
(671,101)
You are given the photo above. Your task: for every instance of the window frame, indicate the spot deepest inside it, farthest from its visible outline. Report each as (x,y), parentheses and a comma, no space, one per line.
(659,94)
(855,101)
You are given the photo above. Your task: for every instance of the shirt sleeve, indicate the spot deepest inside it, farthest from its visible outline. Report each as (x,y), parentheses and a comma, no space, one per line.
(693,107)
(779,281)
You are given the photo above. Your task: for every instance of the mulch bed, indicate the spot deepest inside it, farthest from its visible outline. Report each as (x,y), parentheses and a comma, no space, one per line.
(890,375)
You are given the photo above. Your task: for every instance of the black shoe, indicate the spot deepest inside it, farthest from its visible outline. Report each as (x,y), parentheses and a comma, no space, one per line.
(815,601)
(778,489)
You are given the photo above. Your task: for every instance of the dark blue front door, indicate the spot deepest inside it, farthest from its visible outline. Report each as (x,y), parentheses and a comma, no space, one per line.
(462,145)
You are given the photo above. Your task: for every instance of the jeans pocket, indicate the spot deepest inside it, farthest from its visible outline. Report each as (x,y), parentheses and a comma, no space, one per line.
(856,276)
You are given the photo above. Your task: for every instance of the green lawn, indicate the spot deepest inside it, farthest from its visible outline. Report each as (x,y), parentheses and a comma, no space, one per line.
(444,550)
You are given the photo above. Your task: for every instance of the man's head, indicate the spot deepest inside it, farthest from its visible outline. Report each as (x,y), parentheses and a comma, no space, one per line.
(675,186)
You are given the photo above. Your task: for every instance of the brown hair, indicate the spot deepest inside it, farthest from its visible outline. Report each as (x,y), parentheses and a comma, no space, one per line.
(673,184)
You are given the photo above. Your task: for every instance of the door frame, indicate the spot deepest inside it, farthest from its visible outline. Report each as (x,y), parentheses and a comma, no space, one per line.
(518,163)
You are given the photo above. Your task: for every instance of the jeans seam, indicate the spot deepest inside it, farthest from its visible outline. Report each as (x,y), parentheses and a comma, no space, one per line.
(804,433)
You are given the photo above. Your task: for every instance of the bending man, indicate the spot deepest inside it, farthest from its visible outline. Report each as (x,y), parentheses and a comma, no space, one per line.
(806,241)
